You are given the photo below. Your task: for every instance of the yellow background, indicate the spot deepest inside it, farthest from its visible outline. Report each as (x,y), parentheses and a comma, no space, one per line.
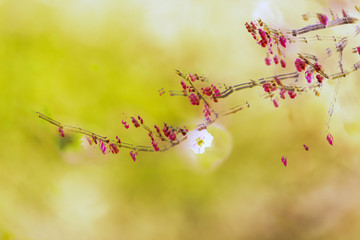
(90,63)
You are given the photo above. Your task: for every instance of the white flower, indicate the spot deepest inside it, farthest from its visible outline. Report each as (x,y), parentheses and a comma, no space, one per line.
(199,140)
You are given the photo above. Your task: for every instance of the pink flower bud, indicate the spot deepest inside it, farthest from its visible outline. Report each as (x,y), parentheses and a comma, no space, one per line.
(267,61)
(283,63)
(192,77)
(292,94)
(319,78)
(300,65)
(308,76)
(194,99)
(61,131)
(125,124)
(276,104)
(322,18)
(282,41)
(113,148)
(276,59)
(133,155)
(306,147)
(330,139)
(284,160)
(282,93)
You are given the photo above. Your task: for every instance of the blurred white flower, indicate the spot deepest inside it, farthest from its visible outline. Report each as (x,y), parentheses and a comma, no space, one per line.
(86,142)
(199,140)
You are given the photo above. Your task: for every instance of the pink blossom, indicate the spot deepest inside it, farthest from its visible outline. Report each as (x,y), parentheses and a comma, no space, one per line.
(284,160)
(292,94)
(61,131)
(157,128)
(125,124)
(299,64)
(194,99)
(267,61)
(216,91)
(330,139)
(283,63)
(319,78)
(308,76)
(155,146)
(207,91)
(276,59)
(317,67)
(102,147)
(276,104)
(358,50)
(172,136)
(282,93)
(268,87)
(306,147)
(322,18)
(114,149)
(282,41)
(264,38)
(192,77)
(133,155)
(183,84)
(136,124)
(206,111)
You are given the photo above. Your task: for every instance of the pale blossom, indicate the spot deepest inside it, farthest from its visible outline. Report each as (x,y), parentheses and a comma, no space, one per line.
(199,140)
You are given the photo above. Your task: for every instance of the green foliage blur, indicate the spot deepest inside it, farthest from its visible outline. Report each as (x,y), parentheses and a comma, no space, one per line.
(89,63)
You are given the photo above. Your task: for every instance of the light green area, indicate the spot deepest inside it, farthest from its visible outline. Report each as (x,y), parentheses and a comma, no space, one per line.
(89,62)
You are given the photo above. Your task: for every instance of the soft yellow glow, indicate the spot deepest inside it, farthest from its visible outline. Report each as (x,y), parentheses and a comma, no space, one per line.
(78,201)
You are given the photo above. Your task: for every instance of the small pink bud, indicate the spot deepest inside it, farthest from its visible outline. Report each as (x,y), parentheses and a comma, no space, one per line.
(192,77)
(172,136)
(136,124)
(125,124)
(308,76)
(133,155)
(61,131)
(183,84)
(330,139)
(283,63)
(317,67)
(344,13)
(282,41)
(292,94)
(157,129)
(322,18)
(300,65)
(320,78)
(276,104)
(358,50)
(306,147)
(194,99)
(207,91)
(282,93)
(276,59)
(267,61)
(113,148)
(155,146)
(284,160)
(102,147)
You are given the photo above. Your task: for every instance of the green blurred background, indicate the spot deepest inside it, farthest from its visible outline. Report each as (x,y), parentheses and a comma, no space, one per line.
(91,62)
